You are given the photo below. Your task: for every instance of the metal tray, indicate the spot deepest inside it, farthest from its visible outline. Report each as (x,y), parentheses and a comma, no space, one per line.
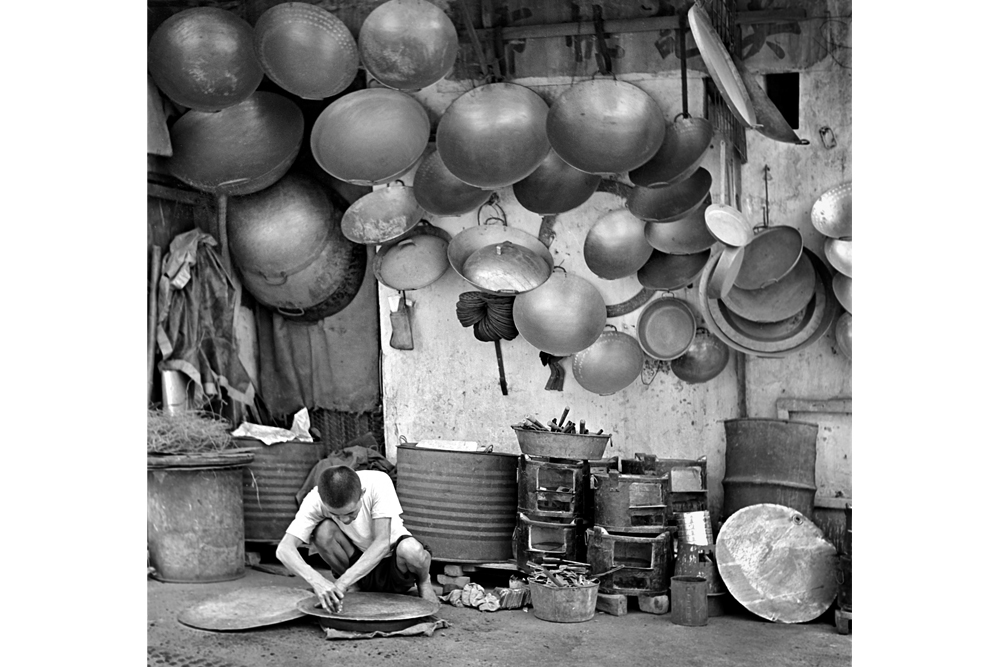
(370,612)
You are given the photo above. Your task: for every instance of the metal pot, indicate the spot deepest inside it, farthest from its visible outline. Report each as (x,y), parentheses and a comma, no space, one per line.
(563,316)
(666,328)
(686,236)
(673,202)
(555,187)
(724,271)
(605,126)
(671,272)
(684,146)
(239,150)
(844,335)
(839,252)
(616,246)
(370,136)
(442,193)
(769,257)
(843,288)
(287,244)
(417,259)
(202,58)
(469,241)
(382,215)
(306,50)
(704,360)
(494,135)
(728,225)
(777,301)
(832,212)
(610,364)
(407,44)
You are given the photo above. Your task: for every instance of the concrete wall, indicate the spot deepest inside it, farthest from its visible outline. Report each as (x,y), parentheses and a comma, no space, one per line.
(447,387)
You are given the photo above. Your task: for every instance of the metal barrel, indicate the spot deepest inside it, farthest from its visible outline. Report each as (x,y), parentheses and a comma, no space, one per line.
(463,505)
(194,523)
(270,484)
(769,461)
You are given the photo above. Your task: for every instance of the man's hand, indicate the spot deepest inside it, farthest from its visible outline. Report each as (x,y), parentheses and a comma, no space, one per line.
(330,594)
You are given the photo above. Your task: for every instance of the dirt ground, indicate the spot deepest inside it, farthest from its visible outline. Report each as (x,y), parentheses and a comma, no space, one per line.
(506,637)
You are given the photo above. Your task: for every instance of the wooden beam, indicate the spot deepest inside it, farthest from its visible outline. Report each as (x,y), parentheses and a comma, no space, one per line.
(192,197)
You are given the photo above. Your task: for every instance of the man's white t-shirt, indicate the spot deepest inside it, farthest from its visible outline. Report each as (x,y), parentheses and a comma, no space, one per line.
(378,501)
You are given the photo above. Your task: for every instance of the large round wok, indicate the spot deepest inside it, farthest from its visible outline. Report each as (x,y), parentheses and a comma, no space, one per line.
(770,256)
(672,202)
(563,316)
(407,44)
(685,144)
(442,193)
(686,236)
(776,301)
(616,246)
(610,364)
(555,187)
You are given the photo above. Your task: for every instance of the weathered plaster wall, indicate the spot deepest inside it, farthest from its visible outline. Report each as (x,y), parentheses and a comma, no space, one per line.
(447,387)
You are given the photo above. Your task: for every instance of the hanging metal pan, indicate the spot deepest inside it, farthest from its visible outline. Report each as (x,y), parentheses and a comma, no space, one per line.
(844,335)
(615,246)
(843,288)
(777,301)
(773,125)
(382,215)
(704,360)
(442,193)
(508,268)
(764,332)
(610,364)
(721,67)
(671,272)
(832,212)
(724,271)
(839,252)
(555,187)
(666,328)
(417,259)
(673,202)
(686,236)
(605,126)
(686,143)
(407,44)
(770,256)
(728,225)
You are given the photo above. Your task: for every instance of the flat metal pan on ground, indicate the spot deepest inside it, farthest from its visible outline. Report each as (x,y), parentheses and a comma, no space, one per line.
(247,608)
(369,612)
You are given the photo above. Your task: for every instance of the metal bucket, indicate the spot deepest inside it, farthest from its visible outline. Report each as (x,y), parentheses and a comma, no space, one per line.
(689,600)
(194,521)
(769,461)
(270,484)
(564,605)
(646,563)
(553,490)
(463,505)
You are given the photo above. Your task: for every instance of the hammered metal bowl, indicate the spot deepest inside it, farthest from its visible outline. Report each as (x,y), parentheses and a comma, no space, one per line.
(407,44)
(832,212)
(615,246)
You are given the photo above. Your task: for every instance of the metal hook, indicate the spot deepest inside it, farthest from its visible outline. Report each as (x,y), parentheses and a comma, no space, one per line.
(603,54)
(766,191)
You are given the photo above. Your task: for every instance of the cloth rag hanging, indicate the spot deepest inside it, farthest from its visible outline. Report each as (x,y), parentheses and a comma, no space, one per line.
(194,331)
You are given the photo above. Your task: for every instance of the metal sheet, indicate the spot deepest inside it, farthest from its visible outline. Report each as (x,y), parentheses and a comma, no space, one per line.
(371,607)
(247,608)
(777,563)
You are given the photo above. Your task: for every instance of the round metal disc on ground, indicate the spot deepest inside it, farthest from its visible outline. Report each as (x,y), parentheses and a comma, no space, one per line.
(770,256)
(247,608)
(670,272)
(778,301)
(728,225)
(370,612)
(777,563)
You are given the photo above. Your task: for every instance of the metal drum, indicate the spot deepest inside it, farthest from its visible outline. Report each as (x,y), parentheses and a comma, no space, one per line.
(270,483)
(769,461)
(646,563)
(463,505)
(553,491)
(633,504)
(538,541)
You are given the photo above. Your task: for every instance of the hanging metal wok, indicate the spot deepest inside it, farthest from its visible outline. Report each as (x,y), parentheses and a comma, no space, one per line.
(241,149)
(442,193)
(605,126)
(555,187)
(511,271)
(720,66)
(770,256)
(202,58)
(684,146)
(407,44)
(673,202)
(306,50)
(772,123)
(494,135)
(616,246)
(844,335)
(666,328)
(370,136)
(843,287)
(610,364)
(563,316)
(671,272)
(832,212)
(415,260)
(724,271)
(686,236)
(777,301)
(704,360)
(839,252)
(382,215)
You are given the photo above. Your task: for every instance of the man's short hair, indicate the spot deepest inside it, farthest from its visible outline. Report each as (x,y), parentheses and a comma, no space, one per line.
(339,486)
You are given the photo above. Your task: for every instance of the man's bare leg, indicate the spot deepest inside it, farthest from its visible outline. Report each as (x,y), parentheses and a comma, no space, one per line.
(412,557)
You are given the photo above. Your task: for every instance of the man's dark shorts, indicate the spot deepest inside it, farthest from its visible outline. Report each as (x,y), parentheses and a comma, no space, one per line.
(386,577)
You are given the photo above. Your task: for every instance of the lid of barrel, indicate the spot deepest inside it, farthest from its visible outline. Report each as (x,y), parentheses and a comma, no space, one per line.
(246,608)
(777,563)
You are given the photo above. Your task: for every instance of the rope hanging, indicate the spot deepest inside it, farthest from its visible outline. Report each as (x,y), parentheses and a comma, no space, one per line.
(489,315)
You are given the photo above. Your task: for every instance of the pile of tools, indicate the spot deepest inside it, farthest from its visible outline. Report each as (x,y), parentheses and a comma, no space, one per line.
(568,574)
